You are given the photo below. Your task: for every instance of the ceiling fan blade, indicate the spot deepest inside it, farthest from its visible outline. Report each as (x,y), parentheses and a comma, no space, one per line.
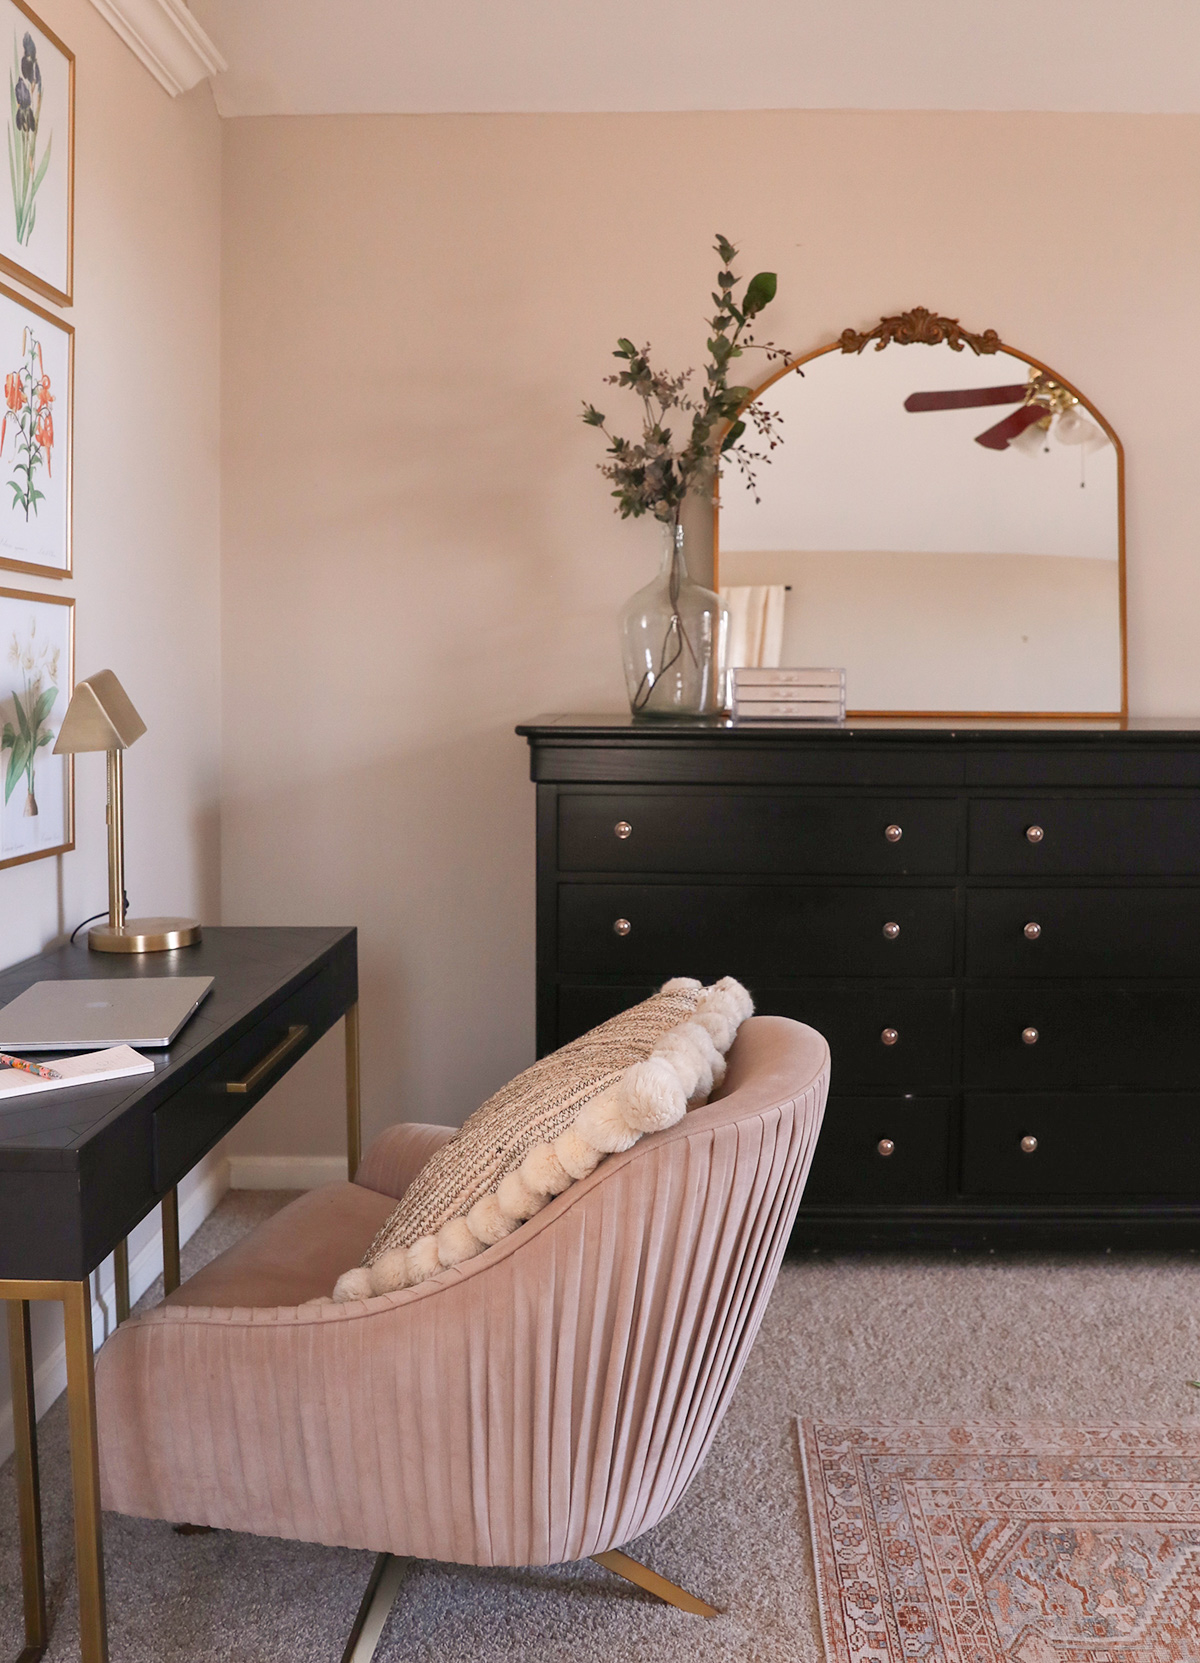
(996,438)
(965,398)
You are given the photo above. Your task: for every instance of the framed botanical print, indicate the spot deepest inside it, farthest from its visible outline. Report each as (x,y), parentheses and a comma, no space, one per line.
(37,219)
(37,361)
(37,674)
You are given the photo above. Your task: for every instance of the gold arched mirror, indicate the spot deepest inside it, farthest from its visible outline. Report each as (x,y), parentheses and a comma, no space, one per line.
(946,524)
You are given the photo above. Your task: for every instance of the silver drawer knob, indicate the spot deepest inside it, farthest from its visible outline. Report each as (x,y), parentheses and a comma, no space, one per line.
(885,1147)
(623,829)
(893,833)
(622,926)
(889,1036)
(891,931)
(1029,1036)
(1034,834)
(1032,931)
(1028,1145)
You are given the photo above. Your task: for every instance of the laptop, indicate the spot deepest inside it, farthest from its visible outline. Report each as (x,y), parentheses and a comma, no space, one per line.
(89,1015)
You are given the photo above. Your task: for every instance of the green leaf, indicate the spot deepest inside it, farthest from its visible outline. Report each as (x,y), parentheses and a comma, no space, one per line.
(732,437)
(8,738)
(625,349)
(592,416)
(46,739)
(41,172)
(22,719)
(760,292)
(725,249)
(44,706)
(17,763)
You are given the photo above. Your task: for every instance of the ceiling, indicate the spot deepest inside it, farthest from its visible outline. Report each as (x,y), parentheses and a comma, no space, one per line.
(323,57)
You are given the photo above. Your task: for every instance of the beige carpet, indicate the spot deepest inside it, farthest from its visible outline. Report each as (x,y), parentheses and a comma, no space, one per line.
(846,1339)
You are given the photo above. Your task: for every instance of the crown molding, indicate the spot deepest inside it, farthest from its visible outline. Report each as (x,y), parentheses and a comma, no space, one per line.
(167,39)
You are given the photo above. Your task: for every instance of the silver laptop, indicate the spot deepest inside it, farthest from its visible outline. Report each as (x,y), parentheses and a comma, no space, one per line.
(88,1015)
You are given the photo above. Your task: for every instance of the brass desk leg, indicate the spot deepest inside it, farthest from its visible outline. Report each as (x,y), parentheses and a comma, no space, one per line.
(85,1472)
(29,1503)
(121,1278)
(170,1240)
(353,1094)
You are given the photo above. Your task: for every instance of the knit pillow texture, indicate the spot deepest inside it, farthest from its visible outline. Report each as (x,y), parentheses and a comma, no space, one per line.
(637,1073)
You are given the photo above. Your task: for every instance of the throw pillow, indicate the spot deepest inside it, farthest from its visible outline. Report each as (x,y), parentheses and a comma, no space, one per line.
(553,1124)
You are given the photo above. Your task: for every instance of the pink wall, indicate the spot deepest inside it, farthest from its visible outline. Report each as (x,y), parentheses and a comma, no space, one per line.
(418,551)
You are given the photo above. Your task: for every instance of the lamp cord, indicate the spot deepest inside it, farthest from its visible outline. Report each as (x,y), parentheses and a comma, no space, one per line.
(93,919)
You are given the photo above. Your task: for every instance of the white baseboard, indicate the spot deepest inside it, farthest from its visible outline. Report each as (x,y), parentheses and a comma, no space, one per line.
(285,1172)
(204,1188)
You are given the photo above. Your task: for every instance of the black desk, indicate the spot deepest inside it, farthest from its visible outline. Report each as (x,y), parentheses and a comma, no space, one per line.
(80,1167)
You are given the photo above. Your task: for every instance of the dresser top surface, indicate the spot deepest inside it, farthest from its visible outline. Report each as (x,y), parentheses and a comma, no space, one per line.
(624,728)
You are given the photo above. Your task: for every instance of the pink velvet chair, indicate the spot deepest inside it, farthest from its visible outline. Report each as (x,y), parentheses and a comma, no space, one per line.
(547,1401)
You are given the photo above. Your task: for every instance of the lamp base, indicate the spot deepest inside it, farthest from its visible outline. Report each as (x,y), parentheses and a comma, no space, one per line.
(145,935)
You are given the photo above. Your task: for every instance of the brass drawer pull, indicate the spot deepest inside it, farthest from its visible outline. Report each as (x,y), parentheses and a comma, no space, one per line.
(1029,1036)
(1034,834)
(894,833)
(622,926)
(885,1147)
(1032,931)
(889,1036)
(1028,1145)
(296,1034)
(891,931)
(623,829)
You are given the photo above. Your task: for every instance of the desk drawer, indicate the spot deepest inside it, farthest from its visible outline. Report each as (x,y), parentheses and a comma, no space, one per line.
(1083,932)
(188,1124)
(1096,836)
(749,930)
(1104,1144)
(1089,1037)
(850,1164)
(730,831)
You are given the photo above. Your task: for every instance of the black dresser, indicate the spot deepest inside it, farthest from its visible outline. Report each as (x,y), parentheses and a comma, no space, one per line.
(997,928)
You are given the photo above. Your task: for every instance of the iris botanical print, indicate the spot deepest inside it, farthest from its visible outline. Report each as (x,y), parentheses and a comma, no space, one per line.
(35,688)
(35,228)
(35,439)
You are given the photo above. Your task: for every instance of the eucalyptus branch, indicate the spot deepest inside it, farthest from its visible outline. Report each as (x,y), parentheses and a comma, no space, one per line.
(655,475)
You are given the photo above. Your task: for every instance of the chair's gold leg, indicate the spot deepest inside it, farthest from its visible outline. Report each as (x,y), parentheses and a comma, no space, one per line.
(170,1240)
(29,1501)
(387,1574)
(644,1577)
(121,1278)
(85,1472)
(353,1094)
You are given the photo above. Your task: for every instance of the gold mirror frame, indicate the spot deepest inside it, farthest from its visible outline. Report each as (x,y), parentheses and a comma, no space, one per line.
(923,328)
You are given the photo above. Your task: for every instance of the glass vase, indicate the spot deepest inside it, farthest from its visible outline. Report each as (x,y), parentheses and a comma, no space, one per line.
(674,636)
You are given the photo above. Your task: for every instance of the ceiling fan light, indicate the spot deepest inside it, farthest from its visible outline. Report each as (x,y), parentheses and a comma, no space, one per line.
(1073,429)
(1030,443)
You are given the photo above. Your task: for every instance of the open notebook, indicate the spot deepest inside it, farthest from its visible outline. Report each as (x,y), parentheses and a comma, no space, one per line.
(75,1071)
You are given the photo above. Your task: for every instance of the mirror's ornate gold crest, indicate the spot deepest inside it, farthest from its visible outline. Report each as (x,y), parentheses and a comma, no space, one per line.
(946,524)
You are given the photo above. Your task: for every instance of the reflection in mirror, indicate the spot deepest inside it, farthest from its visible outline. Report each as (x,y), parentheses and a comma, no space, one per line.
(945,525)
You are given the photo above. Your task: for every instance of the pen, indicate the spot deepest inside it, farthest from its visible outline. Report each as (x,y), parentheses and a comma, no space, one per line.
(37,1068)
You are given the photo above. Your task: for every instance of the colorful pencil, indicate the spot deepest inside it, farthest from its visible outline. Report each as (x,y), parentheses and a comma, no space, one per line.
(37,1068)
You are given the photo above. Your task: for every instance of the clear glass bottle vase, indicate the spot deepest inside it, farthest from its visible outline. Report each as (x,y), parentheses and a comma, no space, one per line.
(674,636)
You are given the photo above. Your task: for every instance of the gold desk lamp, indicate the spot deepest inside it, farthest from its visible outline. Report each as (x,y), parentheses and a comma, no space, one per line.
(101,717)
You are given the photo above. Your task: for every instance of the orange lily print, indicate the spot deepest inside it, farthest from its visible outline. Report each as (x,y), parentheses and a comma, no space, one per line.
(29,400)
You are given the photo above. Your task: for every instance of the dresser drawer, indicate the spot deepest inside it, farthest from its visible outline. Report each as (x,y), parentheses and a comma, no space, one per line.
(855,1021)
(748,930)
(1092,836)
(188,1124)
(1104,1144)
(582,1008)
(1083,932)
(1102,1036)
(881,1149)
(744,832)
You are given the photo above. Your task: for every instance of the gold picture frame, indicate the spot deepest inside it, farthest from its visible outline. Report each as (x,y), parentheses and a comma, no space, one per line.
(43,177)
(27,655)
(58,401)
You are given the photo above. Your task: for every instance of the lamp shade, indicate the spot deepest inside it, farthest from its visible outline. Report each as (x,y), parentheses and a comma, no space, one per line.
(100,717)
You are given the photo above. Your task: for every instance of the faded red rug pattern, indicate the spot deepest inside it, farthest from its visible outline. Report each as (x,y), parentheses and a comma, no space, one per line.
(1005,1543)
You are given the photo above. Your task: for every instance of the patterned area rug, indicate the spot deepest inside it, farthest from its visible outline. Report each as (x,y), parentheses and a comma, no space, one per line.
(1006,1543)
